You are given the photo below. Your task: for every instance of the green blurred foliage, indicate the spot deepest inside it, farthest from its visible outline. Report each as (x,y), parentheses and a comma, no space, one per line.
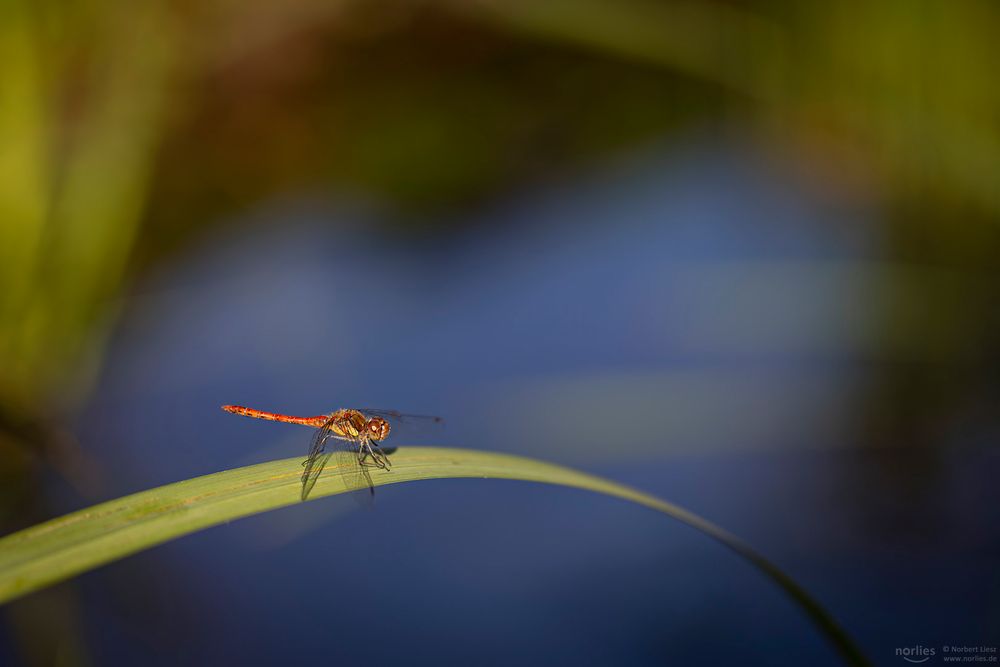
(82,106)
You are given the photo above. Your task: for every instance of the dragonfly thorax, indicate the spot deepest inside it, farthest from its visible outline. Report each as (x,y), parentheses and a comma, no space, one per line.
(356,425)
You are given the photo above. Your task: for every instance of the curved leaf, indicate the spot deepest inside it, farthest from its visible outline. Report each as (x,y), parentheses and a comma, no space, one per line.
(69,545)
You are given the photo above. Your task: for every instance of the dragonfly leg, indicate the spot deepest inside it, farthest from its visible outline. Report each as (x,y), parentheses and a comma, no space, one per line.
(364,452)
(381,460)
(378,457)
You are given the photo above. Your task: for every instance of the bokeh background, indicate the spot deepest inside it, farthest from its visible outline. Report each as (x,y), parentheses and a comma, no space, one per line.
(742,255)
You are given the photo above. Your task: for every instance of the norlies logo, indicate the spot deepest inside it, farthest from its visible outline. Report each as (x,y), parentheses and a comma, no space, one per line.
(915,654)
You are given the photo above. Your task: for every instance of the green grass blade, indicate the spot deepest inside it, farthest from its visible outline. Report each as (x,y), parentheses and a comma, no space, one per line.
(58,549)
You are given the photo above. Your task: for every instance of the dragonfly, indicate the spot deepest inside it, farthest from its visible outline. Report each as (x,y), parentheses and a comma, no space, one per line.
(354,436)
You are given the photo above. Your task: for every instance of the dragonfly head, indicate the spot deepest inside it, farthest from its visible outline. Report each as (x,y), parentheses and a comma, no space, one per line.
(378,429)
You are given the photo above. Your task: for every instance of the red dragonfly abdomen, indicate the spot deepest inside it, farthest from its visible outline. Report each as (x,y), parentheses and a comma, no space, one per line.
(316,422)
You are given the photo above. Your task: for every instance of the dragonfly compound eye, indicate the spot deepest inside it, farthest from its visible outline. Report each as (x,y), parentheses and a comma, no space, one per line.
(378,428)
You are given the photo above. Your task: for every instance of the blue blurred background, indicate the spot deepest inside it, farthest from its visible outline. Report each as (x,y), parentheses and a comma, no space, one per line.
(739,255)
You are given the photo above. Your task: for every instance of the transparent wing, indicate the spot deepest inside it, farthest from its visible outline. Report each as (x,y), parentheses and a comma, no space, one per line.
(419,422)
(353,471)
(318,456)
(312,473)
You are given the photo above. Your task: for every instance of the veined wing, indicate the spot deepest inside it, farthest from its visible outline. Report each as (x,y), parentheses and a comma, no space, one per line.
(354,472)
(403,417)
(313,466)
